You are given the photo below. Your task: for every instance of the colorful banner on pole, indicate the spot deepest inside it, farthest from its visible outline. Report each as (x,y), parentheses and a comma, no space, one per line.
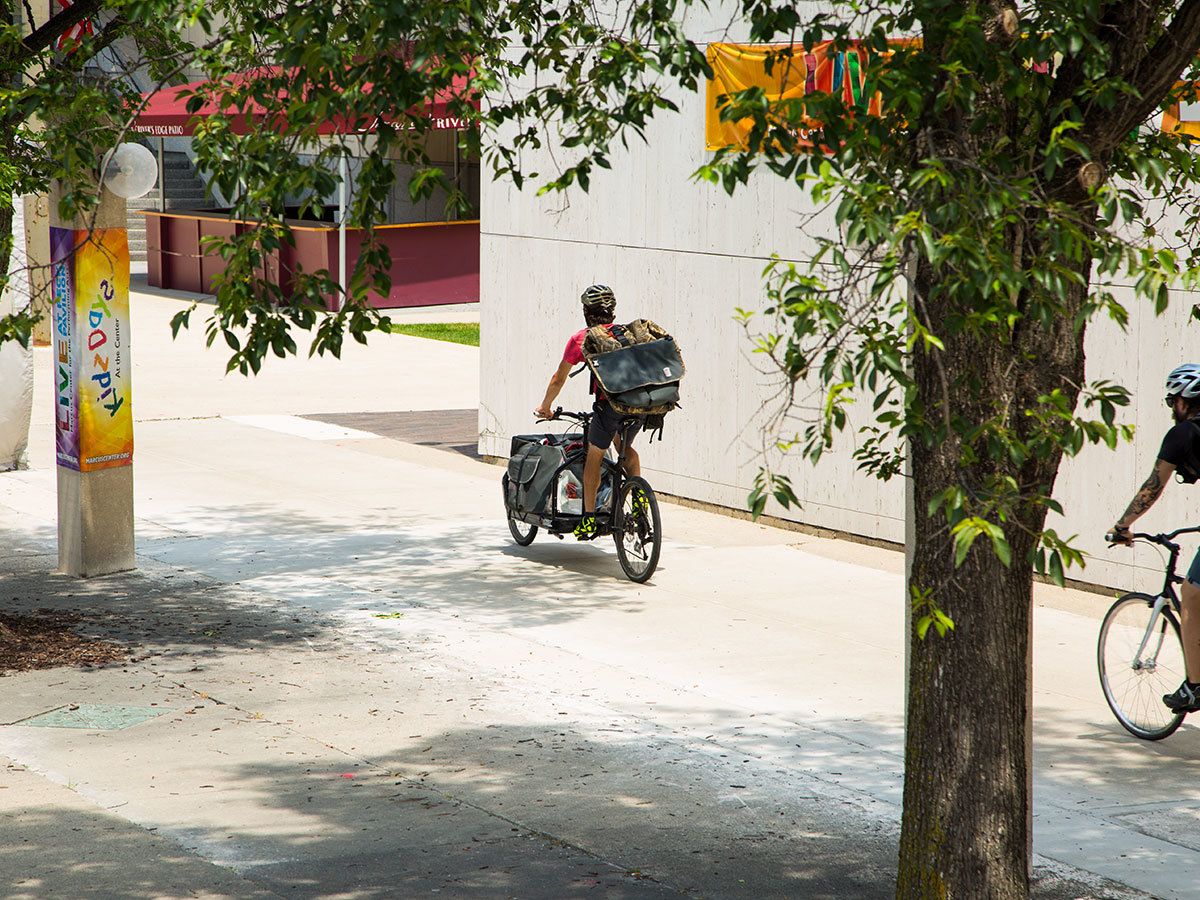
(93,419)
(739,67)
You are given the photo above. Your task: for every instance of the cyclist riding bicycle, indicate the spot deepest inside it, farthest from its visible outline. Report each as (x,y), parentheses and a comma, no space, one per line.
(1180,453)
(599,308)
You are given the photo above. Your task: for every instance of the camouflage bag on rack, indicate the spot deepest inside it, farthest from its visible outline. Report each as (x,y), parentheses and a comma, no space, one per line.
(638,367)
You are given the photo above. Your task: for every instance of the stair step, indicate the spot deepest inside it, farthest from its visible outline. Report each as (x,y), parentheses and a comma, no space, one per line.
(182,188)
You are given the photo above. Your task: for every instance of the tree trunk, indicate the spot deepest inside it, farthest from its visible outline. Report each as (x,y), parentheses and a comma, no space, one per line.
(966,802)
(6,235)
(965,798)
(7,213)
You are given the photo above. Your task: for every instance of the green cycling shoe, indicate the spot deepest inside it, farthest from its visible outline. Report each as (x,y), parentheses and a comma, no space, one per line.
(586,529)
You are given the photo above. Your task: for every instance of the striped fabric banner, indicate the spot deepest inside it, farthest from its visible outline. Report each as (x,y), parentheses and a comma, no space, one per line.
(738,67)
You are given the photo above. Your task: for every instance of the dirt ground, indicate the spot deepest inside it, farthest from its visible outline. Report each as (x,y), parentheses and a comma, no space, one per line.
(47,639)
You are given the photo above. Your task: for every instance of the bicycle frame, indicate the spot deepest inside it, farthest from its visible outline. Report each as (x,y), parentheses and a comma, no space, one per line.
(616,470)
(1165,596)
(1159,602)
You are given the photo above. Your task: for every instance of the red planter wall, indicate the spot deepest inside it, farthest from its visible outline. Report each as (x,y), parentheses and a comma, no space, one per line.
(432,263)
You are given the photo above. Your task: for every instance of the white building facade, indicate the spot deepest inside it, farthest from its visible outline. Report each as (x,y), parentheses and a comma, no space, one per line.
(687,255)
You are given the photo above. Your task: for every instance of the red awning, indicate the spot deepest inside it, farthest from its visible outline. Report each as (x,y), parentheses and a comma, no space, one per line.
(164,112)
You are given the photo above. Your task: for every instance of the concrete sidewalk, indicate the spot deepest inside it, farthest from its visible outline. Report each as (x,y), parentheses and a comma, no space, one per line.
(354,683)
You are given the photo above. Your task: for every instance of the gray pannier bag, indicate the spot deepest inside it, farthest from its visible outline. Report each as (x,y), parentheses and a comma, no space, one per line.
(530,474)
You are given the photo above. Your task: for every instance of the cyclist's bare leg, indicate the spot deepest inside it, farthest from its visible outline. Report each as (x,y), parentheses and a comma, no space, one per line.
(1189,625)
(591,477)
(633,463)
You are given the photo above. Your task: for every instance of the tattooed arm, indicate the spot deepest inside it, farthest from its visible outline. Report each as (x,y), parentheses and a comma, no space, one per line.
(1144,498)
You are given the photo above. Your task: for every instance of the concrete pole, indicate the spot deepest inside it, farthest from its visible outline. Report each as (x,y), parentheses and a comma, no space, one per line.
(37,256)
(162,178)
(343,278)
(90,352)
(454,140)
(16,362)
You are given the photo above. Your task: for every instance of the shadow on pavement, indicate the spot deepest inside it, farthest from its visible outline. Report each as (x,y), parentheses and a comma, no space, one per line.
(47,852)
(155,612)
(494,808)
(470,566)
(544,812)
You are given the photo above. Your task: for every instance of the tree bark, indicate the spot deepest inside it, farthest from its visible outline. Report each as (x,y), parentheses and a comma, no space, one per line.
(965,800)
(965,825)
(6,234)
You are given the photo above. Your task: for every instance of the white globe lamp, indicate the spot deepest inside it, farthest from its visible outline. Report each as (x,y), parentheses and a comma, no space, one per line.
(129,170)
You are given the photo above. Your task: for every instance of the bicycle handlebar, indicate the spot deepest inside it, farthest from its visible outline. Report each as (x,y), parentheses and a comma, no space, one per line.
(560,413)
(1163,540)
(581,417)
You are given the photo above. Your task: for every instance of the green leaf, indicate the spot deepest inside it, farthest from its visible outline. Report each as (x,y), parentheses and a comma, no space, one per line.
(1056,569)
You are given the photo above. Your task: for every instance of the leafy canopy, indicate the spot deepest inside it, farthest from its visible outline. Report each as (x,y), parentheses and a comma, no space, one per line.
(983,216)
(513,70)
(975,235)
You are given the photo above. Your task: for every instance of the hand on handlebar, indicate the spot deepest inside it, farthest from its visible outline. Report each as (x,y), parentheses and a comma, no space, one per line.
(544,414)
(1119,536)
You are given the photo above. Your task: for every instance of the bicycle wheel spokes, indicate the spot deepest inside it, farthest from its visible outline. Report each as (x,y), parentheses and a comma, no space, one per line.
(1138,666)
(638,535)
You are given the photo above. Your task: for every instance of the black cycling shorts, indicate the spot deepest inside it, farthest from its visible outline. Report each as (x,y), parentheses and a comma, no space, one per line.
(605,424)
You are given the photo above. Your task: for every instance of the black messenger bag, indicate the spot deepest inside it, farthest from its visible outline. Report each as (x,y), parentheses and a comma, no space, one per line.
(640,379)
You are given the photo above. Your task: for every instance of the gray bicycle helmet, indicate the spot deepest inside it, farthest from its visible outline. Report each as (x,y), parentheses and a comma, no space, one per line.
(599,296)
(1184,380)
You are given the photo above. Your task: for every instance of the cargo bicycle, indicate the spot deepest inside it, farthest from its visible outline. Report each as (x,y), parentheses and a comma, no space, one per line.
(1140,650)
(543,489)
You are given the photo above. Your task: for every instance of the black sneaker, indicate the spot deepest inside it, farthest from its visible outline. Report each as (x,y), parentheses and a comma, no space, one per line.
(586,529)
(1186,698)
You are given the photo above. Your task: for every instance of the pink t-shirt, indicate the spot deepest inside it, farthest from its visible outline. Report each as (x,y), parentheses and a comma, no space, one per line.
(573,354)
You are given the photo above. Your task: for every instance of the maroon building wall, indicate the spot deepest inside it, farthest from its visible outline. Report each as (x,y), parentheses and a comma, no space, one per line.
(432,263)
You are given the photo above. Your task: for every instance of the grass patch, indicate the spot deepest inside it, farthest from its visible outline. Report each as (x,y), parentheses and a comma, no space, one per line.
(455,332)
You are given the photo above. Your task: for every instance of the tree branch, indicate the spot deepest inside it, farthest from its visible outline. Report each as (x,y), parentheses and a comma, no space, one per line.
(48,32)
(1153,77)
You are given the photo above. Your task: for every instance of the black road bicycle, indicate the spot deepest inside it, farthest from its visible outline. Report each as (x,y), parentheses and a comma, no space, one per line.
(1140,652)
(631,515)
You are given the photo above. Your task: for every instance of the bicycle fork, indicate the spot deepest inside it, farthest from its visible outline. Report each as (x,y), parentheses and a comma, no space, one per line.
(1152,662)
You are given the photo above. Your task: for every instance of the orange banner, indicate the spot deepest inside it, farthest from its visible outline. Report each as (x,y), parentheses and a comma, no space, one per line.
(1183,117)
(738,67)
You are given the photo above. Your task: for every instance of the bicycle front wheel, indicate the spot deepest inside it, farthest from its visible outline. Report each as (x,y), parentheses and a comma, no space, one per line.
(1139,661)
(639,530)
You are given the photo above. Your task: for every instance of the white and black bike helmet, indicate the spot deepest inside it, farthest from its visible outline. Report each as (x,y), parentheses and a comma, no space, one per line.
(1184,381)
(599,296)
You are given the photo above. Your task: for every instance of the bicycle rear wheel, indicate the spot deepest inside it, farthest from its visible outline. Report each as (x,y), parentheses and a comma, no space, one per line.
(638,530)
(522,532)
(1134,680)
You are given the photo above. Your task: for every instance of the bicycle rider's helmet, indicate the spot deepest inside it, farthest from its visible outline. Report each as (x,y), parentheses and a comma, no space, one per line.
(1184,380)
(599,297)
